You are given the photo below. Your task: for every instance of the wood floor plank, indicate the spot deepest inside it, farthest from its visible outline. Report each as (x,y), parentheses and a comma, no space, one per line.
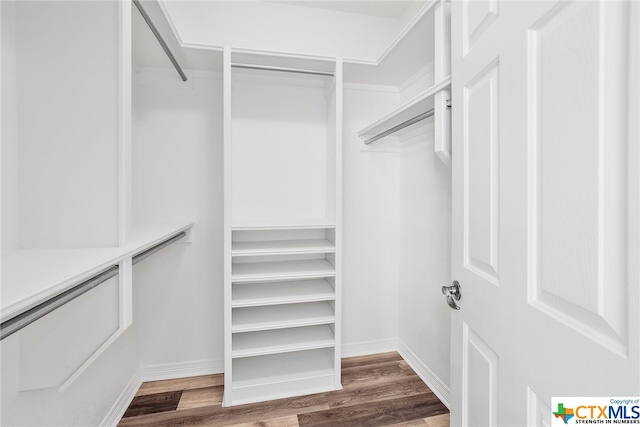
(402,387)
(371,359)
(199,397)
(218,416)
(377,414)
(413,423)
(359,375)
(438,421)
(153,403)
(290,421)
(181,384)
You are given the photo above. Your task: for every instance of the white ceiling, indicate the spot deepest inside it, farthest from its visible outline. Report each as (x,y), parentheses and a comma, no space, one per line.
(413,53)
(385,9)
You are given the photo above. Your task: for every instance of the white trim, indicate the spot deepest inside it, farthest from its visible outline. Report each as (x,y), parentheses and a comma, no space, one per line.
(365,348)
(125,82)
(370,87)
(436,385)
(426,8)
(117,410)
(169,371)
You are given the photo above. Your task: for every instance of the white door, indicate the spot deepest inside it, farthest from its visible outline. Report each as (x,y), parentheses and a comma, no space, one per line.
(546,222)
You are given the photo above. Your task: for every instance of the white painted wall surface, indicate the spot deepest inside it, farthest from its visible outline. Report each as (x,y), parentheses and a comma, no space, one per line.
(279,148)
(67,123)
(277,27)
(9,131)
(177,174)
(425,253)
(371,227)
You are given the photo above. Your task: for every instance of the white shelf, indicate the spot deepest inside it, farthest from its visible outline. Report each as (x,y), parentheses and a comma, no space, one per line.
(281,368)
(270,317)
(31,277)
(251,344)
(282,247)
(281,270)
(258,294)
(304,224)
(410,109)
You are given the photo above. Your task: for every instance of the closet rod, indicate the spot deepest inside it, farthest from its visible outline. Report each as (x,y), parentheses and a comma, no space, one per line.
(22,320)
(146,254)
(14,324)
(156,33)
(402,125)
(282,69)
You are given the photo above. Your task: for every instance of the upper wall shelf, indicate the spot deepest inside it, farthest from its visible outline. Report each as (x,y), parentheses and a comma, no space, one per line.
(419,104)
(30,277)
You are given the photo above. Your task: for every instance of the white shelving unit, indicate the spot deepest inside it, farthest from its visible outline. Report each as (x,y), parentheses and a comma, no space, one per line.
(283,233)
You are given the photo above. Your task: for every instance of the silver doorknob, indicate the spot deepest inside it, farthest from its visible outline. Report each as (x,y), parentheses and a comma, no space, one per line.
(453,294)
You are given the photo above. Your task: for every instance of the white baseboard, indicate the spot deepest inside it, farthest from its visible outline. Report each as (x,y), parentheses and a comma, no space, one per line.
(369,347)
(181,370)
(118,409)
(436,385)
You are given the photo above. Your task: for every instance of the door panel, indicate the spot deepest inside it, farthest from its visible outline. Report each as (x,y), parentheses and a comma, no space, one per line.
(546,206)
(578,230)
(538,412)
(481,145)
(478,15)
(480,373)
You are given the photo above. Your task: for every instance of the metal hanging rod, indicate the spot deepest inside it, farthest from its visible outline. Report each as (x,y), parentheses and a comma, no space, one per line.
(146,254)
(402,125)
(22,320)
(282,69)
(156,33)
(14,324)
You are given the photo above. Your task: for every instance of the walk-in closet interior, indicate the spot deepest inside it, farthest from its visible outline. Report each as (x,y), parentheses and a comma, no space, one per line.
(251,188)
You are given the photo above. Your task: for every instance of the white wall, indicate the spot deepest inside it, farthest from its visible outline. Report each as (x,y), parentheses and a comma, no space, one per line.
(371,228)
(9,132)
(177,175)
(67,123)
(277,27)
(425,254)
(275,121)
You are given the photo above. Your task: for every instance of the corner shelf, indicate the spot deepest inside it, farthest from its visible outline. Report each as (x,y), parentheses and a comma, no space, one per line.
(412,108)
(31,277)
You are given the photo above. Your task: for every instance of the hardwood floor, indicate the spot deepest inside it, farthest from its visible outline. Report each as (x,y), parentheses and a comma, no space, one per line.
(379,390)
